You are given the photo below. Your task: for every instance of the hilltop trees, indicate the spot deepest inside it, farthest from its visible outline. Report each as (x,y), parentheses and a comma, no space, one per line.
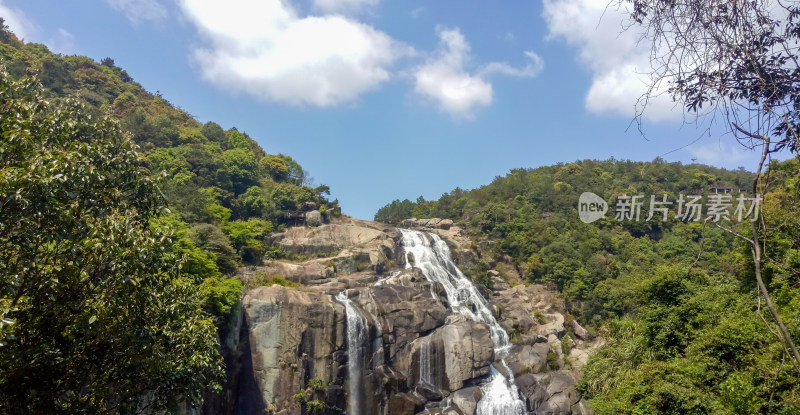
(737,59)
(209,175)
(96,314)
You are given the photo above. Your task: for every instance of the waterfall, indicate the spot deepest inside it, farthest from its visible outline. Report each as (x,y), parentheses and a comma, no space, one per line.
(377,357)
(425,362)
(500,394)
(357,334)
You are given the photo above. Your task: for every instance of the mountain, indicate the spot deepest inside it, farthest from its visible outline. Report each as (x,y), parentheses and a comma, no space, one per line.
(675,300)
(155,264)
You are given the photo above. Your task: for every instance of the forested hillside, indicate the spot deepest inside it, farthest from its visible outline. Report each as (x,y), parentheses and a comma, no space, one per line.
(675,300)
(225,192)
(120,215)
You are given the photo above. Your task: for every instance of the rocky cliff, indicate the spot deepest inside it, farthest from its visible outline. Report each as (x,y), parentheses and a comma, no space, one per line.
(355,305)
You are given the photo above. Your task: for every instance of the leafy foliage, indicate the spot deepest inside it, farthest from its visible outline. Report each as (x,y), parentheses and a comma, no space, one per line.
(108,302)
(209,175)
(675,302)
(88,267)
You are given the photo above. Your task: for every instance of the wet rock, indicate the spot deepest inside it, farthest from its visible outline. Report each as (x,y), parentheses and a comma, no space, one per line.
(534,392)
(468,350)
(429,392)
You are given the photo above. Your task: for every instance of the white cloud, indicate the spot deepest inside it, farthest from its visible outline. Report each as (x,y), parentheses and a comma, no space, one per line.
(532,69)
(138,11)
(344,6)
(444,79)
(265,48)
(720,152)
(17,21)
(63,42)
(618,63)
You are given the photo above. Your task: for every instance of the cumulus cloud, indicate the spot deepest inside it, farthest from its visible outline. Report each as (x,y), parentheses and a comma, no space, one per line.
(267,49)
(17,21)
(138,11)
(618,62)
(344,6)
(444,77)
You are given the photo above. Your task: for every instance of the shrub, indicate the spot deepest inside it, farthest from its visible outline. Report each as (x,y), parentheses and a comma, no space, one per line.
(552,360)
(318,385)
(262,280)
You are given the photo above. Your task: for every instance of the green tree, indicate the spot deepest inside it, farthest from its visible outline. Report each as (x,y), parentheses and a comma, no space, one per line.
(240,169)
(87,274)
(738,60)
(249,238)
(211,238)
(275,166)
(213,132)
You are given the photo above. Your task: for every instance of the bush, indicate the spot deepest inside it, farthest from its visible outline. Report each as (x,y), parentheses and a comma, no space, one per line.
(552,360)
(221,297)
(318,385)
(262,280)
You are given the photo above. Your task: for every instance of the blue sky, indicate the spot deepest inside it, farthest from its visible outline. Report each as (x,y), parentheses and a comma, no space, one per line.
(389,100)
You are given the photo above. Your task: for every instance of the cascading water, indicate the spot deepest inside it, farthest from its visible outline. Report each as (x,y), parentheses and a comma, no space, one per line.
(357,334)
(425,362)
(377,345)
(500,394)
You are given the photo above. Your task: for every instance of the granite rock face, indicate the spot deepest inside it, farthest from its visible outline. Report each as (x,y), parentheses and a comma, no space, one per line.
(418,356)
(292,336)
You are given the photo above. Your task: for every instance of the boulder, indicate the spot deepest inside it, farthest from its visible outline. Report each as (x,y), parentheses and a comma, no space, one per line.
(405,404)
(534,392)
(331,238)
(466,400)
(525,359)
(554,325)
(406,311)
(579,331)
(468,350)
(429,392)
(582,408)
(313,218)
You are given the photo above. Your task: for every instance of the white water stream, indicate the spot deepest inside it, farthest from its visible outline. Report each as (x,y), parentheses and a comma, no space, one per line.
(357,334)
(432,256)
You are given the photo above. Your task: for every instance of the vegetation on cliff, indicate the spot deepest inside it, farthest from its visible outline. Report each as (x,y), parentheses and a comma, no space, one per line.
(676,301)
(122,220)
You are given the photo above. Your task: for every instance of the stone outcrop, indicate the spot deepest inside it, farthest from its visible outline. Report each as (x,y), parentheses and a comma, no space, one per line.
(314,218)
(467,348)
(292,336)
(420,356)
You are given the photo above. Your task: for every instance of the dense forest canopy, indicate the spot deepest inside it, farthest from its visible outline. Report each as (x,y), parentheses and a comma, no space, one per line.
(126,206)
(675,300)
(116,205)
